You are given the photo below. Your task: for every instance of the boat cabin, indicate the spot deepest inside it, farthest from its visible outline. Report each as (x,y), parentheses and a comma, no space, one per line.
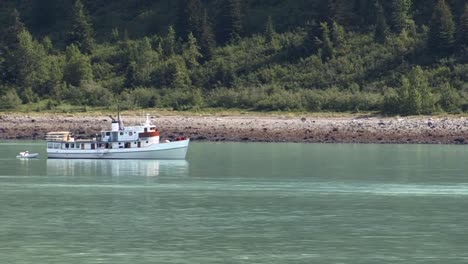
(117,138)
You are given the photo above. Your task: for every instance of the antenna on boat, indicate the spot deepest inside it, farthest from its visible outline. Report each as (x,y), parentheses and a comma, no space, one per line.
(147,121)
(119,118)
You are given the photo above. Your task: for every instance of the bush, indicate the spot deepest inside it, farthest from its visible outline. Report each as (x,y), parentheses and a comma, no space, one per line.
(312,100)
(96,95)
(77,67)
(391,103)
(223,97)
(89,93)
(280,100)
(145,97)
(450,99)
(236,97)
(10,100)
(343,101)
(182,99)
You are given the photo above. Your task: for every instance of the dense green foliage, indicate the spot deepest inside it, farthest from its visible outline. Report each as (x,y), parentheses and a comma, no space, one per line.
(397,57)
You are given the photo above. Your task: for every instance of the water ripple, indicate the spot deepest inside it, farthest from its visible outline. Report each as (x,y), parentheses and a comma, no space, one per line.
(303,189)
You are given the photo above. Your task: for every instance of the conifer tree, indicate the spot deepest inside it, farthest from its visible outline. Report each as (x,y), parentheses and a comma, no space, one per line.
(450,99)
(146,58)
(115,35)
(380,32)
(170,42)
(312,40)
(463,28)
(271,36)
(77,67)
(207,39)
(191,52)
(270,31)
(420,83)
(30,58)
(47,43)
(9,44)
(442,28)
(410,99)
(81,31)
(340,11)
(327,50)
(11,30)
(230,25)
(178,74)
(416,96)
(400,14)
(337,34)
(130,75)
(190,18)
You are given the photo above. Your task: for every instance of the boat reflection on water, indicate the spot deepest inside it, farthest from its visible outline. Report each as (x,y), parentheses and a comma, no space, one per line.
(119,168)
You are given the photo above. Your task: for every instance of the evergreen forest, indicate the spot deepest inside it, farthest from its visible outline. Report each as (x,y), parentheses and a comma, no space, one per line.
(396,57)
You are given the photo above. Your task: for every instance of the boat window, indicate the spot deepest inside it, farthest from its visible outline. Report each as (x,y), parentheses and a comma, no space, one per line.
(146,141)
(93,146)
(78,145)
(66,145)
(121,133)
(72,145)
(107,133)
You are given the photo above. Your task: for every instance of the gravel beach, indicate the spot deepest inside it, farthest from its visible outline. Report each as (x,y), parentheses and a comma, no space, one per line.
(239,128)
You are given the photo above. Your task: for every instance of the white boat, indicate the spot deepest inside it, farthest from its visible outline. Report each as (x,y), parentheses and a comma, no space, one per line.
(27,155)
(132,142)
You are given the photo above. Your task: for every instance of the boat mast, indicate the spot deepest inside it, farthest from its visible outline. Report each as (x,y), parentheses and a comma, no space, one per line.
(147,121)
(119,119)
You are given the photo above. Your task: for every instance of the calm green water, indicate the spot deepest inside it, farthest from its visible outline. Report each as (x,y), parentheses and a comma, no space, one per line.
(239,203)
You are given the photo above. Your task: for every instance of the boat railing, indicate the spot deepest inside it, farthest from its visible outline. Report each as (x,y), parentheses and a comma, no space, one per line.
(59,137)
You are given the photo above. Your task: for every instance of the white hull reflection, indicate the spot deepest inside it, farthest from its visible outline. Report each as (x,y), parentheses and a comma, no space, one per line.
(172,151)
(145,168)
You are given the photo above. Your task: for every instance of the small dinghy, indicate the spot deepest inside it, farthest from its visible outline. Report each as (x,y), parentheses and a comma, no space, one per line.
(27,155)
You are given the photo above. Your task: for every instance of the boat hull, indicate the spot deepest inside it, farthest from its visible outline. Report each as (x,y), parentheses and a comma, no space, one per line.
(28,156)
(173,151)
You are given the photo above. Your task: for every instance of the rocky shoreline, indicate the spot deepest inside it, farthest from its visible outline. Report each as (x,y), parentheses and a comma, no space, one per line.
(240,128)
